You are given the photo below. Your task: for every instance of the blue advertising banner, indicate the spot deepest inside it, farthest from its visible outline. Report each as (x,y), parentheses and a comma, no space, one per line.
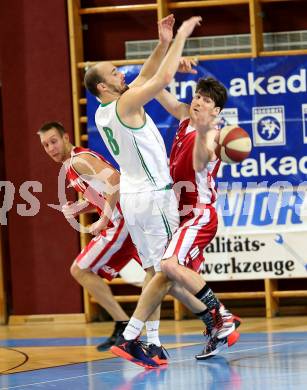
(267,97)
(263,219)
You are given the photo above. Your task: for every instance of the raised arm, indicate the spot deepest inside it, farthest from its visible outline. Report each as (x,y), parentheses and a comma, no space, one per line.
(151,65)
(176,108)
(205,140)
(134,98)
(172,105)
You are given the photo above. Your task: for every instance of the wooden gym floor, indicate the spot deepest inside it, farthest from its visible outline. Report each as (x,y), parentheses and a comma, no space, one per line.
(271,354)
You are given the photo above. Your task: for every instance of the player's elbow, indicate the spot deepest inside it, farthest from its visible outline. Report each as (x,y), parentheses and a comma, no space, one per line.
(198,166)
(164,79)
(168,78)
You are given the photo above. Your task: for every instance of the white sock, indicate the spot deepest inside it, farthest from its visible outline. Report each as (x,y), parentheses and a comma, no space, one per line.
(133,329)
(152,330)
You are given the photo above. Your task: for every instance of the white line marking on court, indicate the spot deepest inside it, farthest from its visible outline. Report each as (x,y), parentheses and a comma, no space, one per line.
(265,346)
(63,379)
(242,350)
(132,369)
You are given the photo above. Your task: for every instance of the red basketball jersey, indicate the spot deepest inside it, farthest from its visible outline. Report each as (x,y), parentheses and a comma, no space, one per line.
(89,190)
(194,189)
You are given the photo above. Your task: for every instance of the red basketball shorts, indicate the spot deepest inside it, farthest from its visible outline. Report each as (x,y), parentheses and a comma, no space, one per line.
(107,253)
(192,236)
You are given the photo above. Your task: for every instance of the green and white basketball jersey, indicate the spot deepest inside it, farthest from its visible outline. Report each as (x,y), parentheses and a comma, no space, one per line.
(140,152)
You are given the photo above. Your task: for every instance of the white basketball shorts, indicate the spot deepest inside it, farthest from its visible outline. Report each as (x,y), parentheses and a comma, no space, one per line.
(151,219)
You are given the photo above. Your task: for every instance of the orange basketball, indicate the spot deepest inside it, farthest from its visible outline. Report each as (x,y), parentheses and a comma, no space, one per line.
(234,144)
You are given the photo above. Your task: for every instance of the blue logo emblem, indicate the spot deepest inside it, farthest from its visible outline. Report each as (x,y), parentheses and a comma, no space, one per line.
(223,122)
(268,128)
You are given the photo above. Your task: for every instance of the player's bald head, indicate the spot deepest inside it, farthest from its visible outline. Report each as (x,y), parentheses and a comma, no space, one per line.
(95,75)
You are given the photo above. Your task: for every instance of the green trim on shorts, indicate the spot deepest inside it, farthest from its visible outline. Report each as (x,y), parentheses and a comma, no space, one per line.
(167,226)
(168,186)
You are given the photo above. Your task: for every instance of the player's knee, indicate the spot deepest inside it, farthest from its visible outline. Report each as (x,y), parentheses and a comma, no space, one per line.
(163,279)
(76,272)
(169,267)
(150,272)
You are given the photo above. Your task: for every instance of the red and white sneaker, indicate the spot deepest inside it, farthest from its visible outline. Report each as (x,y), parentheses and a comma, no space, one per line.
(223,326)
(225,322)
(228,316)
(215,345)
(223,335)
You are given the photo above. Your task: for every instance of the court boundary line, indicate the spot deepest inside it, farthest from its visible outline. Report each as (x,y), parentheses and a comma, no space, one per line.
(25,356)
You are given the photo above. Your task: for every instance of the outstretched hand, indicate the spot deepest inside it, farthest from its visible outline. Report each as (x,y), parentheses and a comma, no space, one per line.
(185,65)
(96,227)
(73,209)
(188,26)
(165,29)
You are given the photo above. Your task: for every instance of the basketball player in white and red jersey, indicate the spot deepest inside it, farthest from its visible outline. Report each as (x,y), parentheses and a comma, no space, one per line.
(195,189)
(194,167)
(111,248)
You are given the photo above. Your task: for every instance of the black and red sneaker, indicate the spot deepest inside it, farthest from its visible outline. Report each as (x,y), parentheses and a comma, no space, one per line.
(112,340)
(157,354)
(133,350)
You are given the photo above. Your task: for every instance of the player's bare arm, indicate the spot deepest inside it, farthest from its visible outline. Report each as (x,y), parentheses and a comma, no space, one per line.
(151,65)
(132,101)
(172,105)
(103,178)
(73,209)
(205,141)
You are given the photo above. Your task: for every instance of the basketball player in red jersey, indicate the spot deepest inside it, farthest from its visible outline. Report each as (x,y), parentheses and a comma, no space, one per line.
(111,248)
(194,166)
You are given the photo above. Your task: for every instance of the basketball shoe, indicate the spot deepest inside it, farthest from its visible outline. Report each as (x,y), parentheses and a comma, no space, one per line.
(223,334)
(224,322)
(157,354)
(112,340)
(215,345)
(133,350)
